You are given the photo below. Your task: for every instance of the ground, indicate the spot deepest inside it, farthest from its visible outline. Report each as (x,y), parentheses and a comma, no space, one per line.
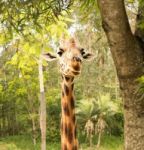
(25,143)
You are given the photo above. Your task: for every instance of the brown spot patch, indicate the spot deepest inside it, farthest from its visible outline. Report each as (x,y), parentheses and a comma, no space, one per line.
(68,132)
(66,109)
(67,78)
(73,119)
(72,102)
(66,89)
(72,78)
(74,147)
(62,94)
(65,147)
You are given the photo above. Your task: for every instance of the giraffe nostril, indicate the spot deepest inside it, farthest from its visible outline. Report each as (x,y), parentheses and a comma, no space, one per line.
(77,59)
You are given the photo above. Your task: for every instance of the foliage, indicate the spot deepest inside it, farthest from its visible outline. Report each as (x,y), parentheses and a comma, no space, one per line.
(19,15)
(53,115)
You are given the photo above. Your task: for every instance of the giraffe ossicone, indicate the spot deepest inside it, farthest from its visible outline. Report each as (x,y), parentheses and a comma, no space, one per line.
(70,58)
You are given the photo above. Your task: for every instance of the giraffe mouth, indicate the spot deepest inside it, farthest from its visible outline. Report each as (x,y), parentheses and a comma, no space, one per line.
(72,73)
(76,72)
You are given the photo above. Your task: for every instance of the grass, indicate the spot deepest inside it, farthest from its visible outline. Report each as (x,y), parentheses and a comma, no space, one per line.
(25,143)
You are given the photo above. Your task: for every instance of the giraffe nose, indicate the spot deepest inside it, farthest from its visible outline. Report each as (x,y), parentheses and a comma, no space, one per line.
(77,59)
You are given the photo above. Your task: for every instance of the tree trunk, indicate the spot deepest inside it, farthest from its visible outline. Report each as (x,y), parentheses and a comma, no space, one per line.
(128,56)
(90,140)
(99,140)
(42,107)
(34,131)
(3,119)
(14,121)
(31,111)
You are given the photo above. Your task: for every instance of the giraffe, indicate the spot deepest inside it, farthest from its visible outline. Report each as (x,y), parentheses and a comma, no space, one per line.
(70,58)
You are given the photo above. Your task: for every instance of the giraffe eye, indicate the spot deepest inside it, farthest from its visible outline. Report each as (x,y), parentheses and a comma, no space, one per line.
(82,51)
(60,51)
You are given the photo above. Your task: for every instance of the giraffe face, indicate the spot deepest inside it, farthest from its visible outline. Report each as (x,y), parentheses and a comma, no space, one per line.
(70,58)
(70,61)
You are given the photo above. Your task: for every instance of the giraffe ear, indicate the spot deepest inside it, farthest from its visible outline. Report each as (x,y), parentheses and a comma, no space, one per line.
(49,57)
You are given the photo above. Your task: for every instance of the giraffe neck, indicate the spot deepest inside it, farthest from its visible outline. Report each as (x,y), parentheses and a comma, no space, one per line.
(68,123)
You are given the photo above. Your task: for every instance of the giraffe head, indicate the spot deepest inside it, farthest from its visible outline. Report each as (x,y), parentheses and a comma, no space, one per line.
(70,57)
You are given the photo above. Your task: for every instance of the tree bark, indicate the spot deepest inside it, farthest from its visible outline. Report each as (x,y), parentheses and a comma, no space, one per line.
(42,107)
(128,56)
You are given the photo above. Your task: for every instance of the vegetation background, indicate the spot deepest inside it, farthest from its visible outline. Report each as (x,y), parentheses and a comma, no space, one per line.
(28,28)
